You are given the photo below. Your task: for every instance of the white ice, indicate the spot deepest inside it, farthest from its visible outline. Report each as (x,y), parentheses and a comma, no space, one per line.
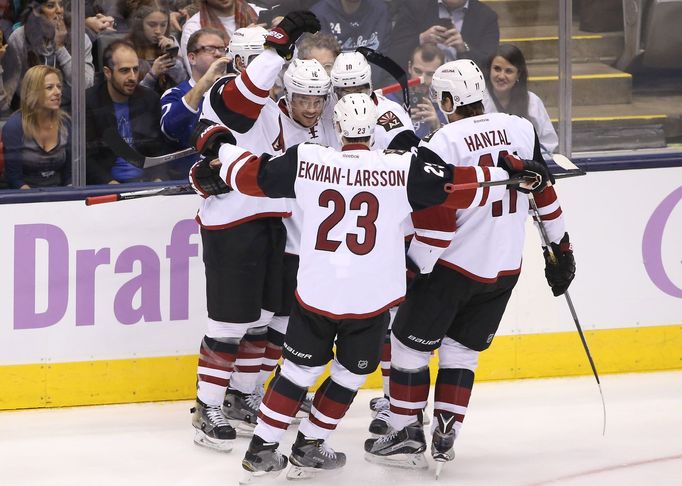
(532,432)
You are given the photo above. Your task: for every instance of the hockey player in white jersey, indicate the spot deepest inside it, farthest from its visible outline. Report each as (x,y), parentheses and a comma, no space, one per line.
(352,264)
(458,308)
(243,237)
(351,73)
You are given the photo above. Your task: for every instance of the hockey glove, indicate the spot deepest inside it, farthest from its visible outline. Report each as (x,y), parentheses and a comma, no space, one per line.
(534,174)
(283,37)
(208,136)
(205,179)
(560,267)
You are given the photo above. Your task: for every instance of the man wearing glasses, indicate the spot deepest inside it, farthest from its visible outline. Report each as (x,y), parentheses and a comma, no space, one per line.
(181,105)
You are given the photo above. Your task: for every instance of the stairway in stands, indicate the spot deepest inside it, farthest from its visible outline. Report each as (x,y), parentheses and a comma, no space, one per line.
(607,113)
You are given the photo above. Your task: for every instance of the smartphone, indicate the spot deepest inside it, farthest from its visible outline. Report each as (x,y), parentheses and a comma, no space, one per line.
(447,23)
(419,94)
(172,52)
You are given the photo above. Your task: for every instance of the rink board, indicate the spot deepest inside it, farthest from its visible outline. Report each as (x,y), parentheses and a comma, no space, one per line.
(106,304)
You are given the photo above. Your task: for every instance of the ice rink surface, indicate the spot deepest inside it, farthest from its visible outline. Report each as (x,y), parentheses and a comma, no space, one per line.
(532,432)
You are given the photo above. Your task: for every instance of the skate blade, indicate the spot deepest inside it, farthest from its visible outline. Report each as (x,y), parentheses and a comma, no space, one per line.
(300,472)
(249,477)
(404,461)
(243,429)
(439,468)
(203,440)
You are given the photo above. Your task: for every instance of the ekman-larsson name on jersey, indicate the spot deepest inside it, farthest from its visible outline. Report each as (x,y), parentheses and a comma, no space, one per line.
(490,138)
(350,177)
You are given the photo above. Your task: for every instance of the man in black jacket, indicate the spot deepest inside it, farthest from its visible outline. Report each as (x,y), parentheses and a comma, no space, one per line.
(122,122)
(463,29)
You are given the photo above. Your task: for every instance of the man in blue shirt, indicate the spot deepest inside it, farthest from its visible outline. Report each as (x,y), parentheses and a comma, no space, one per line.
(181,105)
(122,122)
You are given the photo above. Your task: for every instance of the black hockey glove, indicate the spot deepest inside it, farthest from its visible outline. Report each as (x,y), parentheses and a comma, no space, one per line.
(535,174)
(560,267)
(283,37)
(208,136)
(205,179)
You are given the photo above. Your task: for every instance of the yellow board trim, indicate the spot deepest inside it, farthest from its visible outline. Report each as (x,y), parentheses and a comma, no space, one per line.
(173,378)
(614,118)
(582,76)
(550,38)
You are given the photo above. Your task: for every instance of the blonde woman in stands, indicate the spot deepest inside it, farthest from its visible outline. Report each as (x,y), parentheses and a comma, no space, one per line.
(37,138)
(507,82)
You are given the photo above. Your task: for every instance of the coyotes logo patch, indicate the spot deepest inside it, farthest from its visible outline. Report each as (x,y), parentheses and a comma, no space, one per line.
(389,121)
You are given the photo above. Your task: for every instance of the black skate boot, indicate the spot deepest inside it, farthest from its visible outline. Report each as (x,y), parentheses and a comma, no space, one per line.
(241,409)
(262,459)
(213,429)
(379,425)
(377,404)
(311,456)
(403,448)
(443,440)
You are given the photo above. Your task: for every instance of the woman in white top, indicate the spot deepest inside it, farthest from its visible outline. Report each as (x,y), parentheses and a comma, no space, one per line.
(506,77)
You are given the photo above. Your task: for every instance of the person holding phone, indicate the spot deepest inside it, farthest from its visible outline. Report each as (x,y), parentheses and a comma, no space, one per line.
(463,29)
(160,66)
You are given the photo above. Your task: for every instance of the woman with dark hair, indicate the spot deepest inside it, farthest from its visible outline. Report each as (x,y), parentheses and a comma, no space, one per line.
(42,39)
(507,82)
(224,15)
(160,64)
(37,138)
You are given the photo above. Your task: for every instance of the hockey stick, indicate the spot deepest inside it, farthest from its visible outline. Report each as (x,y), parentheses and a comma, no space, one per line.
(120,147)
(123,196)
(512,181)
(553,260)
(392,68)
(392,88)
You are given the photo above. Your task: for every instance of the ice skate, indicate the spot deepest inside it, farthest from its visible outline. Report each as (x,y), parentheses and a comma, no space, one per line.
(443,441)
(379,425)
(377,404)
(213,429)
(310,457)
(262,459)
(403,448)
(241,409)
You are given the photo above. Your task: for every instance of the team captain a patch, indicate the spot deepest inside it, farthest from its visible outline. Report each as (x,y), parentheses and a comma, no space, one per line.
(389,121)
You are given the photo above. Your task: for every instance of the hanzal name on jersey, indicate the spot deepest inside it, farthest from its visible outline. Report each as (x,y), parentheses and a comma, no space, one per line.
(350,177)
(489,138)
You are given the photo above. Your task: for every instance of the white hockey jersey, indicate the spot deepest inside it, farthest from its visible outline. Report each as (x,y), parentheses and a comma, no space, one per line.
(486,242)
(353,204)
(261,125)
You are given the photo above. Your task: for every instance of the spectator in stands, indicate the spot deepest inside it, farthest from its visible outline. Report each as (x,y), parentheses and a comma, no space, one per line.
(320,46)
(161,67)
(42,39)
(181,11)
(37,138)
(355,23)
(7,19)
(122,122)
(206,53)
(461,28)
(225,15)
(4,101)
(425,114)
(506,77)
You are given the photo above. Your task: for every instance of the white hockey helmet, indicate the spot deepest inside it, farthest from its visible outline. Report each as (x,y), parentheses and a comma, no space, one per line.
(306,77)
(247,42)
(461,79)
(355,116)
(351,69)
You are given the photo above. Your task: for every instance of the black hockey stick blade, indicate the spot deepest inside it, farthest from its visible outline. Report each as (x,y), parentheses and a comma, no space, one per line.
(391,67)
(121,148)
(164,159)
(159,191)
